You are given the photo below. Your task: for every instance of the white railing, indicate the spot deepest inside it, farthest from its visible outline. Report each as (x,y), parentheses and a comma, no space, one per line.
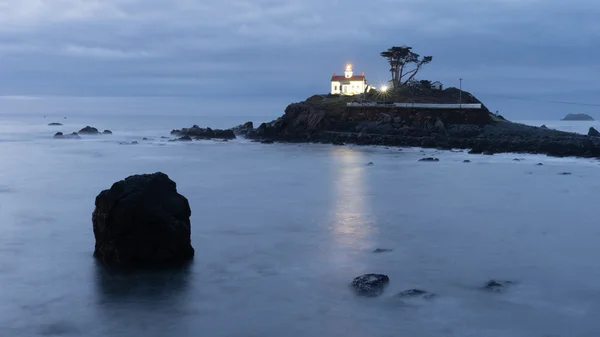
(416,105)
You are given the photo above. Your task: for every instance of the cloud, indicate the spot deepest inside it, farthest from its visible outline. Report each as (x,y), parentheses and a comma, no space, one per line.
(157,47)
(105,53)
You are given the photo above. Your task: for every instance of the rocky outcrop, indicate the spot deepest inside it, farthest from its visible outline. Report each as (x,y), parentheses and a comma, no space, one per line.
(142,221)
(54,124)
(107,132)
(243,129)
(370,285)
(199,133)
(327,119)
(88,130)
(593,132)
(577,117)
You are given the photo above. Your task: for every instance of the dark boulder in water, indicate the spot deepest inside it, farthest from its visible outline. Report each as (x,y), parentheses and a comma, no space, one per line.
(565,173)
(382,250)
(88,130)
(55,124)
(429,159)
(58,135)
(370,163)
(593,132)
(142,221)
(107,132)
(370,285)
(466,161)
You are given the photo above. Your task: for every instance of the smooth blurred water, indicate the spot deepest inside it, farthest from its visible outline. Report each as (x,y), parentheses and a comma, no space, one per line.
(281,230)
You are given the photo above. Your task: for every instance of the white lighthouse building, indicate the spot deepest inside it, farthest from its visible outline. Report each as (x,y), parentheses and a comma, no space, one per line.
(349,84)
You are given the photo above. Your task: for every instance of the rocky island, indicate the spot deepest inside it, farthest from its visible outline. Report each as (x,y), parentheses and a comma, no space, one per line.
(372,120)
(577,117)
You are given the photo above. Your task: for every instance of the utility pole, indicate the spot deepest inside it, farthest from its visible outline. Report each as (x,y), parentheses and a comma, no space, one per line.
(460,94)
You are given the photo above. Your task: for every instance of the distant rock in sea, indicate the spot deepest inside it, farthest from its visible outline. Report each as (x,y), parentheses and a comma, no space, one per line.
(107,132)
(577,117)
(199,133)
(142,221)
(60,135)
(429,159)
(88,130)
(593,132)
(54,124)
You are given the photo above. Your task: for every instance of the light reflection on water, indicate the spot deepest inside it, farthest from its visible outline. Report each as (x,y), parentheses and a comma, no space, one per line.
(352,223)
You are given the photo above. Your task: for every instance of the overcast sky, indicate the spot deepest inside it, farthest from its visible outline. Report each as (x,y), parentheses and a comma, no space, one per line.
(530,48)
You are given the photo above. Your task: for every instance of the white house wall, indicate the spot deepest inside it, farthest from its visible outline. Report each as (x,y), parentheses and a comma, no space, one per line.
(353,87)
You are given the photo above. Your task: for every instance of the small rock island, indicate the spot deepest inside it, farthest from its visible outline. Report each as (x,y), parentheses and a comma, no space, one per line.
(410,112)
(443,124)
(577,117)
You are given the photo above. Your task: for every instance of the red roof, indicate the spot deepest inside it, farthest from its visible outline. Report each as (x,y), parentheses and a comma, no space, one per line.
(345,79)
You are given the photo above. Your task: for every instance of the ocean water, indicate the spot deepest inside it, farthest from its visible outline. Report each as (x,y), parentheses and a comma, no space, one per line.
(281,230)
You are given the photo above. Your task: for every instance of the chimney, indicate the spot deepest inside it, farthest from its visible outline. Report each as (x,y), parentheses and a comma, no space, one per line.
(363,74)
(333,74)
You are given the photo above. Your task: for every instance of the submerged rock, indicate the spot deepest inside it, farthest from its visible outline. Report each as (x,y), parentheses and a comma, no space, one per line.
(539,164)
(107,132)
(55,124)
(496,286)
(429,159)
(466,161)
(411,293)
(370,285)
(88,130)
(593,132)
(382,250)
(565,173)
(370,163)
(142,221)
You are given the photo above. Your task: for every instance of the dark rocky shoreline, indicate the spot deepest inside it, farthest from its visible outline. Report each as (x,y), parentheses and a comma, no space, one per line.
(327,119)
